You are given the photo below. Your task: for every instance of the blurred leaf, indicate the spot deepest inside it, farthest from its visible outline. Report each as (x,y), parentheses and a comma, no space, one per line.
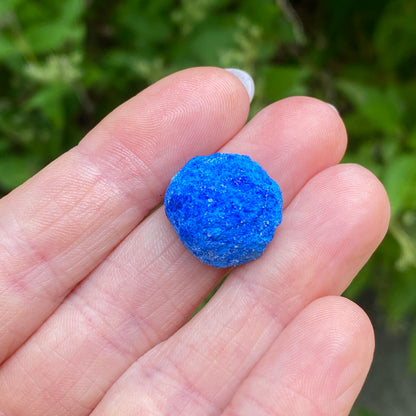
(6,47)
(46,37)
(14,170)
(407,244)
(360,282)
(283,81)
(47,26)
(191,13)
(264,13)
(4,145)
(209,42)
(144,30)
(412,348)
(381,107)
(7,6)
(399,296)
(399,180)
(412,139)
(363,412)
(72,10)
(395,36)
(55,69)
(49,102)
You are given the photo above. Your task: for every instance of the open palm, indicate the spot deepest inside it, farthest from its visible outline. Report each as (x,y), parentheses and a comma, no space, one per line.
(96,295)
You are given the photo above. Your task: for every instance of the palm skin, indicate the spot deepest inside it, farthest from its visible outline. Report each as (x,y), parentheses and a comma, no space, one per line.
(96,295)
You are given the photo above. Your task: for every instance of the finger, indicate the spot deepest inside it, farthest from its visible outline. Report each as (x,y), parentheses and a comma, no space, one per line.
(329,231)
(58,226)
(151,284)
(317,366)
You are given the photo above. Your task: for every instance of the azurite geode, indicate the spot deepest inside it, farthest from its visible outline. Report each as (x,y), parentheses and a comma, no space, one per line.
(224,207)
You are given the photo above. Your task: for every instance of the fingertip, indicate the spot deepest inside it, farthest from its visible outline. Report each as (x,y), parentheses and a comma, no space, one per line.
(349,347)
(207,97)
(356,201)
(340,337)
(366,195)
(245,79)
(317,365)
(346,322)
(379,197)
(333,107)
(319,115)
(233,86)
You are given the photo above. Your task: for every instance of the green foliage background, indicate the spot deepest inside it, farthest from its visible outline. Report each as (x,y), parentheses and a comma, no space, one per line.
(65,64)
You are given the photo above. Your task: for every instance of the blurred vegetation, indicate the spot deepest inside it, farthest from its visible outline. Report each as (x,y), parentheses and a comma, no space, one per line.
(65,64)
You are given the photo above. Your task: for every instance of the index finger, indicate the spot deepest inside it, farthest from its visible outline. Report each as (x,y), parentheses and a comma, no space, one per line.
(58,226)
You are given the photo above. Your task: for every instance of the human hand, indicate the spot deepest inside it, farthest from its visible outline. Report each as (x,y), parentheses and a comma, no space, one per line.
(96,296)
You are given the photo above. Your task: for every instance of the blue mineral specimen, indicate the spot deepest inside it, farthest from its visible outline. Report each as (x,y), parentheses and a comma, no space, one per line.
(224,207)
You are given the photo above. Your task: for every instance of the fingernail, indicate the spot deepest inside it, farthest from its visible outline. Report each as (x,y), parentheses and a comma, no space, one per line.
(246,80)
(333,107)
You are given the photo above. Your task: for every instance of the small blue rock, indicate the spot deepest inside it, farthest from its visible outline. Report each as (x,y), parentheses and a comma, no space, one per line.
(224,207)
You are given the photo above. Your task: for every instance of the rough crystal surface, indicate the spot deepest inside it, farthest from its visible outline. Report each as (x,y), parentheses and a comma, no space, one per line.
(224,207)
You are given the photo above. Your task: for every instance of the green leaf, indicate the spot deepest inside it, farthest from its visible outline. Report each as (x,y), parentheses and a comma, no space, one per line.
(360,282)
(362,412)
(72,10)
(394,38)
(7,47)
(382,107)
(209,43)
(4,145)
(284,81)
(49,37)
(14,170)
(7,6)
(411,139)
(49,102)
(400,182)
(412,348)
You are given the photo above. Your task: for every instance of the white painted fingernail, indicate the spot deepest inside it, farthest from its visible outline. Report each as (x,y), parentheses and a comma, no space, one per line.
(333,107)
(246,80)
